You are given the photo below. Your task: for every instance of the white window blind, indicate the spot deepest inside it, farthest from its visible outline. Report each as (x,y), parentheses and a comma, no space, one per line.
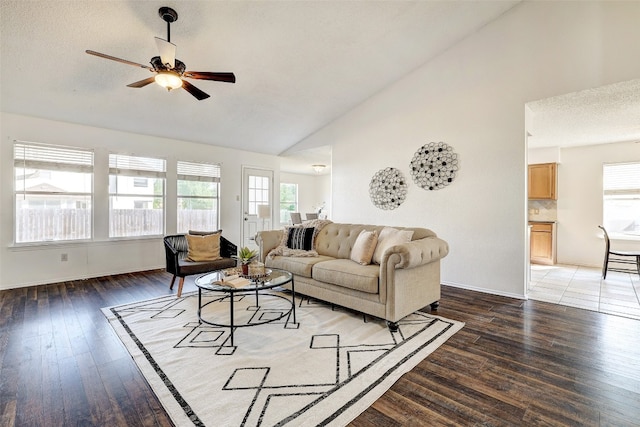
(190,171)
(41,156)
(120,164)
(621,178)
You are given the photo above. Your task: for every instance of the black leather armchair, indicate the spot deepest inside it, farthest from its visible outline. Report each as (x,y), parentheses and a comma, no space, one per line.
(176,250)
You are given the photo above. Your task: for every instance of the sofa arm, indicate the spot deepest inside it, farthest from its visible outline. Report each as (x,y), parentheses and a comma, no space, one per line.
(416,252)
(266,241)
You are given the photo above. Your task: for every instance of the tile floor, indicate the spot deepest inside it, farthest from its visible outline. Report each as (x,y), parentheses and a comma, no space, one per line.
(583,287)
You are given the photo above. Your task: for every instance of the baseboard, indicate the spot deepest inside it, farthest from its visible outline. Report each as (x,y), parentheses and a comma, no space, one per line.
(70,278)
(485,290)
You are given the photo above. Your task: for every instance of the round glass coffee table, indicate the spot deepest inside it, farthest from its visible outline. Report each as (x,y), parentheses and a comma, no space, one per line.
(258,286)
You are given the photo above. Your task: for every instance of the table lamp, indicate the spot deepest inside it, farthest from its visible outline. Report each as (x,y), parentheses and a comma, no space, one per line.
(264,212)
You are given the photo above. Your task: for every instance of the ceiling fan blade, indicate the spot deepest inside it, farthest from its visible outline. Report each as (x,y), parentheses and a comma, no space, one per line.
(167,52)
(219,77)
(200,95)
(113,58)
(142,83)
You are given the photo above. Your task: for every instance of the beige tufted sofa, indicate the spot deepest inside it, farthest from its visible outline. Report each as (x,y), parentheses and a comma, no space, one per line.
(407,279)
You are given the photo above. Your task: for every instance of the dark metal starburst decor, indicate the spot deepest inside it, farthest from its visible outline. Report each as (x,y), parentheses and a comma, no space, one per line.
(388,188)
(434,166)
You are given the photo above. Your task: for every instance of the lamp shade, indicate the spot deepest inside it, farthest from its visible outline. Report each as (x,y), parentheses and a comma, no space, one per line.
(264,211)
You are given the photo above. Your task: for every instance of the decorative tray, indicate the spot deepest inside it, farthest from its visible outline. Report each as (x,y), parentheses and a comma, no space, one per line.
(236,271)
(267,272)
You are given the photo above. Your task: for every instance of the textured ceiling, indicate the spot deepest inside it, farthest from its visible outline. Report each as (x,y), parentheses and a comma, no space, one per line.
(594,116)
(299,64)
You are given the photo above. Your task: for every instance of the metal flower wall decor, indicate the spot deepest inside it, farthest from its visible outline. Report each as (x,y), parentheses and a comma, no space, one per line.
(388,188)
(434,166)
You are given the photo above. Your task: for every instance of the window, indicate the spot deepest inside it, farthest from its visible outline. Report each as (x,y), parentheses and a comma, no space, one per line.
(136,210)
(53,192)
(621,198)
(258,193)
(288,201)
(198,196)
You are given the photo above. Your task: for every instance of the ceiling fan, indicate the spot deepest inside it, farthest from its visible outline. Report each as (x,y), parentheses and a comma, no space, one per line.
(169,71)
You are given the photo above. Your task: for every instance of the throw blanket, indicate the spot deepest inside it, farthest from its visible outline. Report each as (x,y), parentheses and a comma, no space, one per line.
(283,250)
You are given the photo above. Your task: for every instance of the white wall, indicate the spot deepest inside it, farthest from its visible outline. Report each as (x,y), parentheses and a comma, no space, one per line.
(472,97)
(580,201)
(26,265)
(544,155)
(313,191)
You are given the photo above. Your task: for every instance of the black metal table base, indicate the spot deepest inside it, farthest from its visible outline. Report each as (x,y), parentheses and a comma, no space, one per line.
(231,294)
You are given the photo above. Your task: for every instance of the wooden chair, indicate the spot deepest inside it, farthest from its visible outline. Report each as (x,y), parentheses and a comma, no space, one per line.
(618,257)
(296,218)
(312,216)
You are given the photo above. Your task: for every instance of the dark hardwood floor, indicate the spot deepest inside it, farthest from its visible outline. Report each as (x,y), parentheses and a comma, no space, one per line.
(514,363)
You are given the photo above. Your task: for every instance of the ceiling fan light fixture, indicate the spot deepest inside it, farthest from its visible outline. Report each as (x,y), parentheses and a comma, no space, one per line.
(168,80)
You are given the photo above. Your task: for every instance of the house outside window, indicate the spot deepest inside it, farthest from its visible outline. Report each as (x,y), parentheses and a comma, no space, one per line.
(198,196)
(621,199)
(288,201)
(135,210)
(53,192)
(140,182)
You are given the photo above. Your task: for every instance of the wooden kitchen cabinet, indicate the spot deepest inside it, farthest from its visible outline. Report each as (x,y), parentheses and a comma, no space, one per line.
(542,248)
(543,181)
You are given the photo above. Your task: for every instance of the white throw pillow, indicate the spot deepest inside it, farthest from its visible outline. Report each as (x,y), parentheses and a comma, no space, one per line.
(390,237)
(364,246)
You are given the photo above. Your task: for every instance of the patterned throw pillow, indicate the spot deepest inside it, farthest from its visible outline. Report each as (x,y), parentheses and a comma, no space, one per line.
(300,238)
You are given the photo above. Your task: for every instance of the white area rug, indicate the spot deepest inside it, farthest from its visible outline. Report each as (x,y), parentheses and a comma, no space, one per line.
(323,370)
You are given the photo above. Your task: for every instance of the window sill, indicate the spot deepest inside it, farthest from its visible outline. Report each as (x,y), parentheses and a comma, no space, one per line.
(624,236)
(78,243)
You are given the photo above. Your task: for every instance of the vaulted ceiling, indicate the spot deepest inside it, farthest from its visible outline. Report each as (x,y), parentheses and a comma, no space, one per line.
(299,64)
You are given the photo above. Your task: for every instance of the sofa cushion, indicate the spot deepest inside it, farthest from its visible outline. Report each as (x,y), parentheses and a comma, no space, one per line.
(364,246)
(203,247)
(300,266)
(390,237)
(348,274)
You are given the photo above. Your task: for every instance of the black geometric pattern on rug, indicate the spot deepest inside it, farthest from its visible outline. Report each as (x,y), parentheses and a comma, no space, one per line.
(202,335)
(254,379)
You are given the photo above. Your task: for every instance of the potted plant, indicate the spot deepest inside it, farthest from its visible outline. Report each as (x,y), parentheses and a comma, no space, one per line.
(245,256)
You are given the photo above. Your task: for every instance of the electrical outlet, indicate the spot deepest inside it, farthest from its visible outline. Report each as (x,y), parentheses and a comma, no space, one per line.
(64,257)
